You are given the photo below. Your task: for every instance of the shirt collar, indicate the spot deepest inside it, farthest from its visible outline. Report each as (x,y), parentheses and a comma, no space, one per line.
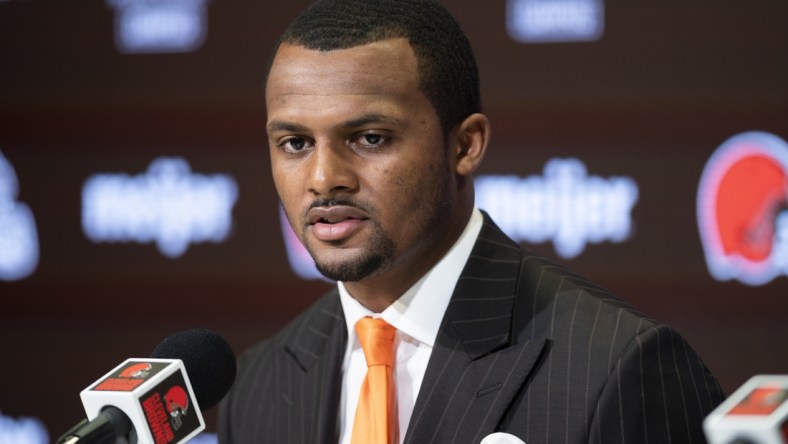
(419,311)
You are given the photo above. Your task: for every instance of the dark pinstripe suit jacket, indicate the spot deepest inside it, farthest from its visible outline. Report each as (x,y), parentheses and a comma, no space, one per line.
(525,347)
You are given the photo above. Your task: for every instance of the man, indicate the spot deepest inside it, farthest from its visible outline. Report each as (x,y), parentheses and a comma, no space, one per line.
(375,129)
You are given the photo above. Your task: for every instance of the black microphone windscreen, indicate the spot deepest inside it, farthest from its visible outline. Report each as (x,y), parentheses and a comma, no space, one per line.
(209,362)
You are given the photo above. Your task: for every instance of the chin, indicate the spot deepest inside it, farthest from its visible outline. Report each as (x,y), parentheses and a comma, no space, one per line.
(351,270)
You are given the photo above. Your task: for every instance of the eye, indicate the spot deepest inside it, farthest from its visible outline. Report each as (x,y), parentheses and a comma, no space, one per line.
(372,140)
(293,144)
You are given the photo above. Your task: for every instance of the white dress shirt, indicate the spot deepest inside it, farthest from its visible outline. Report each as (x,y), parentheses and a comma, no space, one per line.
(417,316)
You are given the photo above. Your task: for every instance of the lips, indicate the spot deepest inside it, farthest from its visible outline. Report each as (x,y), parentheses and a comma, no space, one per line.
(335,223)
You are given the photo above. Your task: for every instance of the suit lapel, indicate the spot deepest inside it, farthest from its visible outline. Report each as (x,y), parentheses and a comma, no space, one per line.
(475,370)
(317,349)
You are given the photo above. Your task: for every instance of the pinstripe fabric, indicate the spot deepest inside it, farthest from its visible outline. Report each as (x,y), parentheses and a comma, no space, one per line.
(525,347)
(287,390)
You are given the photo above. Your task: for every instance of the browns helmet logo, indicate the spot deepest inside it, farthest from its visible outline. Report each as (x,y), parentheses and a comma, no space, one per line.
(177,402)
(743,209)
(139,370)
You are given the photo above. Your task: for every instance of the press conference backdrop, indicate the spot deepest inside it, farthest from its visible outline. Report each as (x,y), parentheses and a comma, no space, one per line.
(642,145)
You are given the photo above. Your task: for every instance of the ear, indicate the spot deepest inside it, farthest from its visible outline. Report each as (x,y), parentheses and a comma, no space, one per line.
(471,140)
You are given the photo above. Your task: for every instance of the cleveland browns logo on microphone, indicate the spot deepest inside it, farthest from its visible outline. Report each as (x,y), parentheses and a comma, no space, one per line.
(168,409)
(129,376)
(177,403)
(139,370)
(743,209)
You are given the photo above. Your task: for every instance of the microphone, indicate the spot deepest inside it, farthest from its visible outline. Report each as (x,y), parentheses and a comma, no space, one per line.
(756,413)
(157,400)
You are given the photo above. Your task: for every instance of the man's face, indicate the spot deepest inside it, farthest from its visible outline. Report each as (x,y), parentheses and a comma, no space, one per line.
(359,161)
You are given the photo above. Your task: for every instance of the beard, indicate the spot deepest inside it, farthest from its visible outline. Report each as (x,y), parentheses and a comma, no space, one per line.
(374,259)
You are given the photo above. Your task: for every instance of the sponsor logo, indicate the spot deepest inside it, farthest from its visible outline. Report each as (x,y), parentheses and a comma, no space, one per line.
(22,430)
(168,205)
(565,205)
(541,21)
(742,209)
(18,236)
(145,26)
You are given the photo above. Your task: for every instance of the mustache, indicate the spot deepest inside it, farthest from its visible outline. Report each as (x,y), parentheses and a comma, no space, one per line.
(338,201)
(357,204)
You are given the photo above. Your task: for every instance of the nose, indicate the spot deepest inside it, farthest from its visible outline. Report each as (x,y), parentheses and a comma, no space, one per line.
(331,170)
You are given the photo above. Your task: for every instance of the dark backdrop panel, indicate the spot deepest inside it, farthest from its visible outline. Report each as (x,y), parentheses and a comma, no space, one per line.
(651,100)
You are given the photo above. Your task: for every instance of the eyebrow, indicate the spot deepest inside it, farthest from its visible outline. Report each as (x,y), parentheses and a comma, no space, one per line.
(278,125)
(369,119)
(372,118)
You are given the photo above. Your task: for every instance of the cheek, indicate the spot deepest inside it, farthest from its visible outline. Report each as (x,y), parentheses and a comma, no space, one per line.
(394,182)
(285,174)
(287,189)
(405,191)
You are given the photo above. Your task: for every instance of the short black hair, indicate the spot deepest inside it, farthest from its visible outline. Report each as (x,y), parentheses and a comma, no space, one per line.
(448,73)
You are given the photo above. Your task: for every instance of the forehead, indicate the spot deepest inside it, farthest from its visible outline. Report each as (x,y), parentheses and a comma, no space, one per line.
(387,69)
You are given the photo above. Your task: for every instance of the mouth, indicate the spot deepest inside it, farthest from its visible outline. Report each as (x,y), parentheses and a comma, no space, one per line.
(335,223)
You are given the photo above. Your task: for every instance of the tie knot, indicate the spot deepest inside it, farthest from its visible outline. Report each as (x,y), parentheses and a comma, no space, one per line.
(377,340)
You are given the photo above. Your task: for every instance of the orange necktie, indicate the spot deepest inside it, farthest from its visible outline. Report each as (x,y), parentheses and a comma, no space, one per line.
(376,415)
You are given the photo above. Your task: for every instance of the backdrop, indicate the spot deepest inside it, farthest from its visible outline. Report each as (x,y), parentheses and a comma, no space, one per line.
(136,199)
